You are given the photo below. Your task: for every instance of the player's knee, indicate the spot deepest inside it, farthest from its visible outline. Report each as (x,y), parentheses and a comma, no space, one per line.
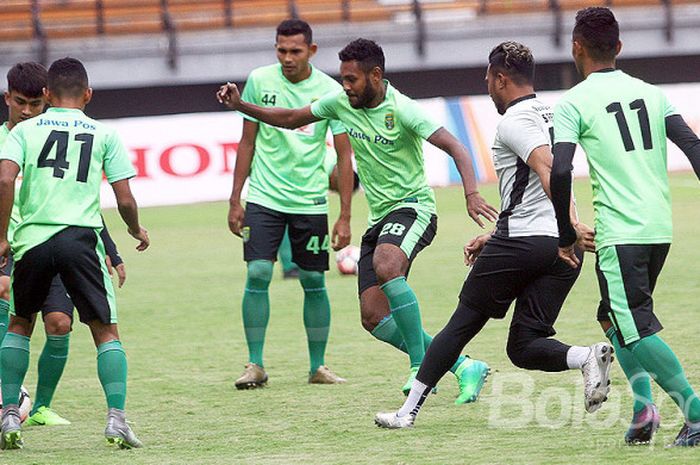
(386,270)
(260,273)
(58,326)
(517,350)
(312,280)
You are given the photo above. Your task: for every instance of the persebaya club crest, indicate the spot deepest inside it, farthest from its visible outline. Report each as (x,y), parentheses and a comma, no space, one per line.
(389,120)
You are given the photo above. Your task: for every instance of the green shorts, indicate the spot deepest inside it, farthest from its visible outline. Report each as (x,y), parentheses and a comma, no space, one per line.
(627,277)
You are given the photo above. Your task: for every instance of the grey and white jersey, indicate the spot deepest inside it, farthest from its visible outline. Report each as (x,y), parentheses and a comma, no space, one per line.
(525,208)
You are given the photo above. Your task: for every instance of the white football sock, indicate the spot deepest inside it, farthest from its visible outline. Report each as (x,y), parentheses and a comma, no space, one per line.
(577,356)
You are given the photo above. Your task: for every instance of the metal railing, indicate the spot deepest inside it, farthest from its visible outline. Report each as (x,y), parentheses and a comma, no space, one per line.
(345,9)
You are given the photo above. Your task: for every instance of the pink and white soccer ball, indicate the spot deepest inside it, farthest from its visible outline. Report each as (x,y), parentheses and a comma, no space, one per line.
(347,259)
(25,404)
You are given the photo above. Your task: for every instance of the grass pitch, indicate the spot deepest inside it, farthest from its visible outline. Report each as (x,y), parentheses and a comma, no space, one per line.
(179,315)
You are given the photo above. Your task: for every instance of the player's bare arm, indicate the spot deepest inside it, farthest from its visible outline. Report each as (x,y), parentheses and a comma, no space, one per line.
(540,160)
(341,230)
(560,187)
(476,205)
(244,159)
(290,118)
(128,210)
(8,173)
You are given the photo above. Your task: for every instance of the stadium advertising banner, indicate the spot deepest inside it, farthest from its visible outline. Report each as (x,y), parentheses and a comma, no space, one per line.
(190,158)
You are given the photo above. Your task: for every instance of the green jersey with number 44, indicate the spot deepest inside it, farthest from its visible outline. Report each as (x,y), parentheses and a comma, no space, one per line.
(62,155)
(388,145)
(620,123)
(288,171)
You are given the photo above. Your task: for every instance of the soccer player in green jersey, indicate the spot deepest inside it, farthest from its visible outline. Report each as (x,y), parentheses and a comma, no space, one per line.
(622,124)
(25,99)
(387,130)
(62,155)
(288,189)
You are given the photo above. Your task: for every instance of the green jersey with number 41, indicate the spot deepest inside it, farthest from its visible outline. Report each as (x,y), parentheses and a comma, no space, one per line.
(288,171)
(620,123)
(62,154)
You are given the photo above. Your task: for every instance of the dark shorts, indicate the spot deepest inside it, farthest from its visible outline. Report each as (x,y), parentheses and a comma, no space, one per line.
(58,299)
(76,255)
(627,277)
(525,269)
(264,229)
(410,229)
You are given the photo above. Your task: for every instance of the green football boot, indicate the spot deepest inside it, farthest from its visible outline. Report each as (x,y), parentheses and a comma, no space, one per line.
(46,417)
(471,376)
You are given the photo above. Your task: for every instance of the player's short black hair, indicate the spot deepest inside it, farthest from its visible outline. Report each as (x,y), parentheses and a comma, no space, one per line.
(292,27)
(514,60)
(67,77)
(29,79)
(367,53)
(597,30)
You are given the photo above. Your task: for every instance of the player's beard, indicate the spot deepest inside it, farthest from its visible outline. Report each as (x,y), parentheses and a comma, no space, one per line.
(368,94)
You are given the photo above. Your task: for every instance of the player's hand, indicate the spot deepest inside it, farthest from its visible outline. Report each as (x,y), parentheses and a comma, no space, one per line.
(473,248)
(121,273)
(341,234)
(477,206)
(4,252)
(236,217)
(229,96)
(585,237)
(142,236)
(568,255)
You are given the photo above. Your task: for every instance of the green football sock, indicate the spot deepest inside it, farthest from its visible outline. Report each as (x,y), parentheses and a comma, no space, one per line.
(4,319)
(285,253)
(111,370)
(256,308)
(14,359)
(51,364)
(404,308)
(659,360)
(388,332)
(317,315)
(639,379)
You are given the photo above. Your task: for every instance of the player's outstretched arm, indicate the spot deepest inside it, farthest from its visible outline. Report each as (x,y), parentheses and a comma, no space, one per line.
(290,118)
(476,205)
(128,210)
(341,230)
(244,159)
(560,186)
(8,173)
(680,134)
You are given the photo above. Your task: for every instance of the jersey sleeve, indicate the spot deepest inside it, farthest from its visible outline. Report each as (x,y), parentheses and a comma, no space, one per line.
(248,95)
(416,119)
(325,107)
(567,123)
(117,165)
(522,133)
(13,148)
(669,109)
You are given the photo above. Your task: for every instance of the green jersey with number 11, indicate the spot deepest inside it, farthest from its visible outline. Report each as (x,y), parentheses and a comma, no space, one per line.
(620,123)
(62,155)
